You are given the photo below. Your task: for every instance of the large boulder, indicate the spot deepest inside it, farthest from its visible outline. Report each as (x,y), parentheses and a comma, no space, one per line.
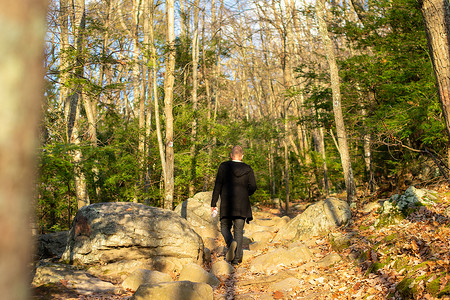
(197,211)
(322,217)
(317,220)
(111,232)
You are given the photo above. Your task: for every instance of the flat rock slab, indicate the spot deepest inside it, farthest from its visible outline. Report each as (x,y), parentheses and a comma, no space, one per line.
(79,280)
(279,258)
(286,284)
(143,276)
(178,290)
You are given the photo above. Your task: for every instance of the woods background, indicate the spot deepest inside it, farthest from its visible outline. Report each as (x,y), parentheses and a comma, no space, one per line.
(145,98)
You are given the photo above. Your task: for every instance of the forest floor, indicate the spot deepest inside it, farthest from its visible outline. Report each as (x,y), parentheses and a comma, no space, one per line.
(409,260)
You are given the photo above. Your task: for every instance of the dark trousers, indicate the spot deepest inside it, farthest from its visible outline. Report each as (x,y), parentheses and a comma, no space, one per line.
(238,228)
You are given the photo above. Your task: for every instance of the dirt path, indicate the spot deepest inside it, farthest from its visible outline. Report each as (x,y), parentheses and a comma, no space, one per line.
(314,279)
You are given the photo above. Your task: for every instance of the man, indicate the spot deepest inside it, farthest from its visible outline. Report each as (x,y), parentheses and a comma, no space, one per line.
(235,182)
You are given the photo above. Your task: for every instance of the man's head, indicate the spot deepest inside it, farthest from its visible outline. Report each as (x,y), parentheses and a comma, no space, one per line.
(237,153)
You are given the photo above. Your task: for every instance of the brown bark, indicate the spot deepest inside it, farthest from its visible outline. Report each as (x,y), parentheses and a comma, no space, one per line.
(436,16)
(21,85)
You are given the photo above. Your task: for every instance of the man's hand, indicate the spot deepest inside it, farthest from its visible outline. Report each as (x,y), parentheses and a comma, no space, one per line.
(213,211)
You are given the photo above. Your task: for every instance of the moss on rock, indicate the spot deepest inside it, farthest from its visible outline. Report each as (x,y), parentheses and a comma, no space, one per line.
(406,288)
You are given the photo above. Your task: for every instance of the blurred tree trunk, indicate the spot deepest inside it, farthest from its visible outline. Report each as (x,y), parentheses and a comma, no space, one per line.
(337,108)
(168,103)
(21,89)
(436,16)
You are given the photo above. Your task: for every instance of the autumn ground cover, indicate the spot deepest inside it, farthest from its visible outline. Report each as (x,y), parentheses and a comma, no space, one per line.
(407,260)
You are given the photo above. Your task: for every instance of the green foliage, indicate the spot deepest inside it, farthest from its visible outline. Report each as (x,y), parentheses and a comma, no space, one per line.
(56,201)
(388,92)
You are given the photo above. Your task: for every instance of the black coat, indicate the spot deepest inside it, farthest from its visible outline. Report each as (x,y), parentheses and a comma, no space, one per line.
(235,182)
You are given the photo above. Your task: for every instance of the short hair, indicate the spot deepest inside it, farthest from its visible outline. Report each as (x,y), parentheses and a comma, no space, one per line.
(237,151)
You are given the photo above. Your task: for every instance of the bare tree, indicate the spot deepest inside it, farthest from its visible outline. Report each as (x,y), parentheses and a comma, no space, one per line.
(195,58)
(168,103)
(74,99)
(337,108)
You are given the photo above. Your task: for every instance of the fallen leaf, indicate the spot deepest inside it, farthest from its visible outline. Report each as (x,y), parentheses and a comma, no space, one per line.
(278,295)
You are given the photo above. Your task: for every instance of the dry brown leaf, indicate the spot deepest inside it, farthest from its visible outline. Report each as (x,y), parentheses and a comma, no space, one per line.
(277,295)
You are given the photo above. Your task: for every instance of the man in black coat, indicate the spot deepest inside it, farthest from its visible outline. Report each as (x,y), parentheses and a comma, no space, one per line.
(235,182)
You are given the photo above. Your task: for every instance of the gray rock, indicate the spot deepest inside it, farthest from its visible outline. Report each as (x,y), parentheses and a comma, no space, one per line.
(254,227)
(195,273)
(288,231)
(340,241)
(207,255)
(249,254)
(279,258)
(323,216)
(52,245)
(372,206)
(261,236)
(317,220)
(268,221)
(197,211)
(143,276)
(221,268)
(257,246)
(210,243)
(75,278)
(329,260)
(121,269)
(286,284)
(110,232)
(179,290)
(411,197)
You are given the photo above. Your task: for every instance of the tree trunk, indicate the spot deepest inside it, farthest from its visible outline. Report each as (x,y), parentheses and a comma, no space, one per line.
(148,86)
(324,162)
(73,103)
(21,85)
(155,93)
(195,55)
(337,108)
(168,104)
(436,16)
(63,47)
(207,79)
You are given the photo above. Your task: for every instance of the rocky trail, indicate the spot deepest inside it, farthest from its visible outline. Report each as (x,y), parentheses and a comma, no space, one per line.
(363,259)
